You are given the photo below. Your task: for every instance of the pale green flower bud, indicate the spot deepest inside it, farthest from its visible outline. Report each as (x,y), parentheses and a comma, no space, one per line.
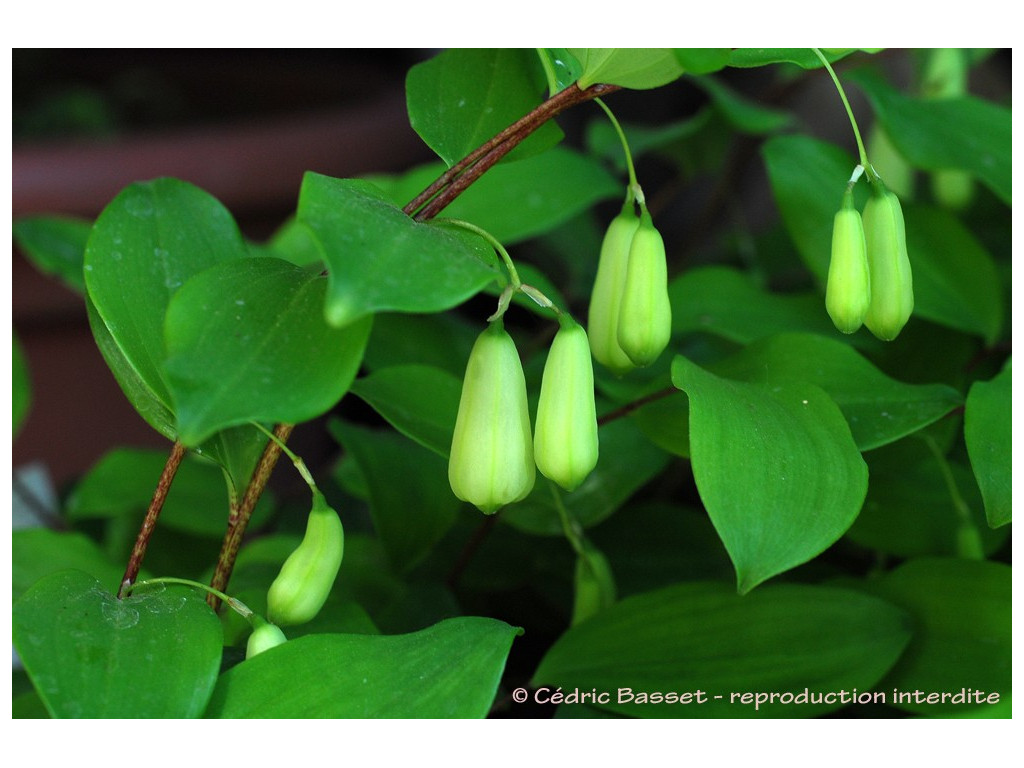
(603,316)
(491,461)
(263,638)
(848,292)
(565,438)
(645,316)
(307,576)
(892,288)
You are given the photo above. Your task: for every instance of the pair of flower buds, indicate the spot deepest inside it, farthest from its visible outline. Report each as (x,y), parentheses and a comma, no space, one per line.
(305,580)
(494,455)
(869,278)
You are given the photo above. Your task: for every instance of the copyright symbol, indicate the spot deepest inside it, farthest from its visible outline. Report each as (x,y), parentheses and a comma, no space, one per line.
(519,695)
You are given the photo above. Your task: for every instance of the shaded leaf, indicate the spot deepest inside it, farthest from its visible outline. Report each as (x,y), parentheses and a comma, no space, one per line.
(701,61)
(987,430)
(702,636)
(419,401)
(21,386)
(40,552)
(802,57)
(410,500)
(55,245)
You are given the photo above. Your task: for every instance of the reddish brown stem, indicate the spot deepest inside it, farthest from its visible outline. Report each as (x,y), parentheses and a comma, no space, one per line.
(163,487)
(460,176)
(238,520)
(628,408)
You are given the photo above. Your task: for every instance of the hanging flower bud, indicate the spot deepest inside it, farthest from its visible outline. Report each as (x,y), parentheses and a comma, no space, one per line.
(491,462)
(565,438)
(301,588)
(892,289)
(603,316)
(645,316)
(263,638)
(848,292)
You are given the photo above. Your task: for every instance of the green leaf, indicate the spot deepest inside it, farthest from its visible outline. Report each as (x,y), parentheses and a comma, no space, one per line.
(55,245)
(410,500)
(40,552)
(419,401)
(122,483)
(594,584)
(728,303)
(626,463)
(776,468)
(638,68)
(878,409)
(451,669)
(802,57)
(701,636)
(247,341)
(440,340)
(147,242)
(563,67)
(21,386)
(549,190)
(936,134)
(666,422)
(463,96)
(962,634)
(988,434)
(955,280)
(91,655)
(701,61)
(909,510)
(379,259)
(745,115)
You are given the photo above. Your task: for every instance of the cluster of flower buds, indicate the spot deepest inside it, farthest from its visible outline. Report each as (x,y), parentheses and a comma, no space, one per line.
(869,277)
(494,457)
(630,318)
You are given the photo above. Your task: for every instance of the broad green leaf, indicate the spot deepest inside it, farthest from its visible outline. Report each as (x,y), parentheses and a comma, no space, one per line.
(776,468)
(441,340)
(962,631)
(955,281)
(701,61)
(410,500)
(910,510)
(40,552)
(802,57)
(379,259)
(419,401)
(626,463)
(55,245)
(122,483)
(91,655)
(728,303)
(151,239)
(745,115)
(451,669)
(666,422)
(935,134)
(463,96)
(702,636)
(989,441)
(293,242)
(21,385)
(878,409)
(247,341)
(548,190)
(639,68)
